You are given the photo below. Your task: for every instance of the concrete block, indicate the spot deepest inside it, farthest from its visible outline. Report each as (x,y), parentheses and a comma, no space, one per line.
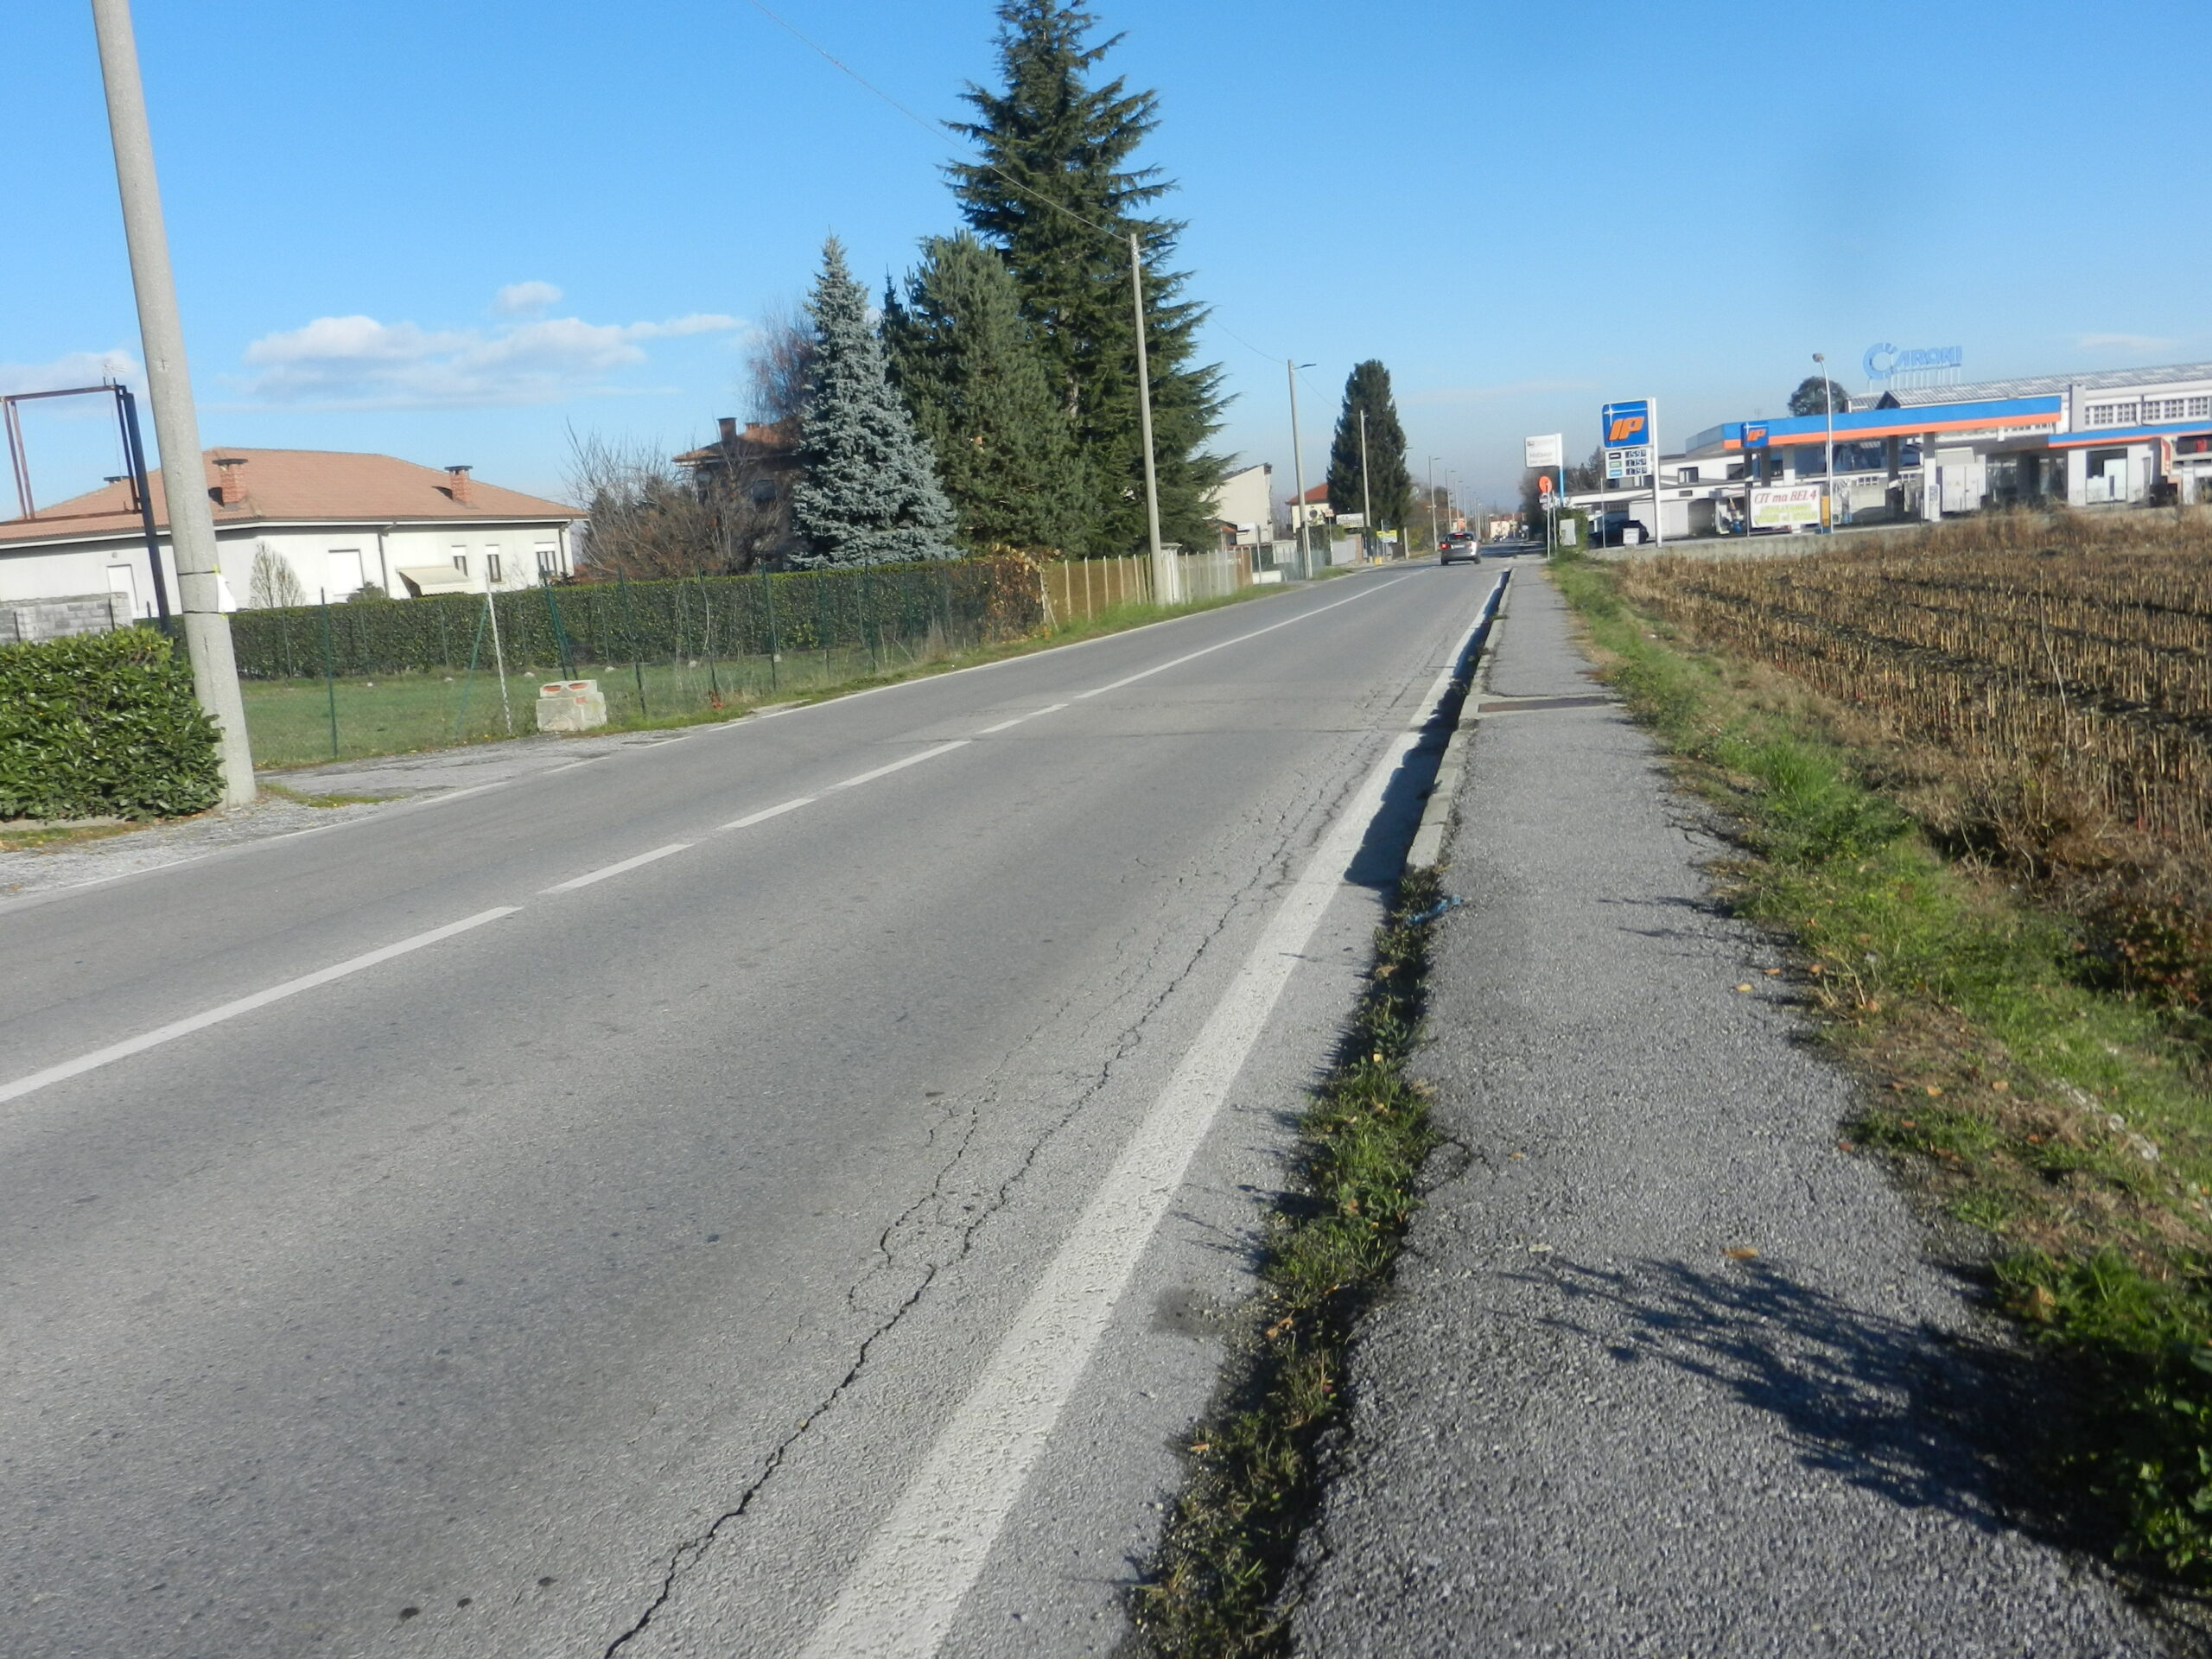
(570,706)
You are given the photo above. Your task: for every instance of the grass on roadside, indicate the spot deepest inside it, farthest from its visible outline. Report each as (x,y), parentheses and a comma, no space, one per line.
(290,720)
(1213,1589)
(52,837)
(2072,1125)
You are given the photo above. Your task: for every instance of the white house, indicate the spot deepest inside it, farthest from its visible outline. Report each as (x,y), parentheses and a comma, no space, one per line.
(336,522)
(1244,505)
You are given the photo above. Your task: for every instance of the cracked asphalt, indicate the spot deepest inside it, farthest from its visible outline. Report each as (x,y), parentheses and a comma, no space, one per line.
(592,1280)
(1667,1371)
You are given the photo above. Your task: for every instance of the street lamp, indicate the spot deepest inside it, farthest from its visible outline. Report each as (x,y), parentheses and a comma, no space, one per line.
(1297,473)
(1828,478)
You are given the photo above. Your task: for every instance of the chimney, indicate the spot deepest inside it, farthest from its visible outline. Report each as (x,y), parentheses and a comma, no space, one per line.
(728,424)
(231,491)
(457,484)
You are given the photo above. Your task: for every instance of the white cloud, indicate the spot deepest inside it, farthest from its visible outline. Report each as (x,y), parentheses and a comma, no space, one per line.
(360,363)
(2142,344)
(520,299)
(71,369)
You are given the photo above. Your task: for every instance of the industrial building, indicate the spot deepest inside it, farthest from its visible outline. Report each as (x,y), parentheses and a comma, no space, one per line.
(2121,437)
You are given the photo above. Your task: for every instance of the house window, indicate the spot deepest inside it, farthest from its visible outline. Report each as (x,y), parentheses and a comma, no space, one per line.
(548,563)
(491,567)
(461,562)
(2112,414)
(2198,408)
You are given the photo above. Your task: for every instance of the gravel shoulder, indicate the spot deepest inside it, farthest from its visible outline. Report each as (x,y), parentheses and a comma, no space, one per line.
(1667,1371)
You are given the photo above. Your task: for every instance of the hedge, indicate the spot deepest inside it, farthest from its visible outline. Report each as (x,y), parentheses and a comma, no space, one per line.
(977,600)
(104,724)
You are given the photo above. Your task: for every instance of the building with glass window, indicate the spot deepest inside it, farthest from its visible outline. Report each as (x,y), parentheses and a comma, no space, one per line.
(2132,436)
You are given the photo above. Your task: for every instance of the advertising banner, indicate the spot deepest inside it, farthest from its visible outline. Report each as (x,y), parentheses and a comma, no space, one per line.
(1548,451)
(1791,503)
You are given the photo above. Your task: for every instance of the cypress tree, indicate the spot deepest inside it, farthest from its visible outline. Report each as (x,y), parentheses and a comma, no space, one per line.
(868,493)
(969,366)
(1052,141)
(1390,483)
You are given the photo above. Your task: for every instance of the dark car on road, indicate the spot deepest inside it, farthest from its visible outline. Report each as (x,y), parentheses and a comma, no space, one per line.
(1458,546)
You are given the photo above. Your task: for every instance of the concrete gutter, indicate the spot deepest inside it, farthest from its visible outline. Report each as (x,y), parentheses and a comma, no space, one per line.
(1427,850)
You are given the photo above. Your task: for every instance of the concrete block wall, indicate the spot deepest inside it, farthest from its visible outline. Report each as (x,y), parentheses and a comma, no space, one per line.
(22,621)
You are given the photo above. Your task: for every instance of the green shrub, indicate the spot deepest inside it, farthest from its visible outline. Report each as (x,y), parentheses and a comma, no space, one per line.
(979,602)
(103,726)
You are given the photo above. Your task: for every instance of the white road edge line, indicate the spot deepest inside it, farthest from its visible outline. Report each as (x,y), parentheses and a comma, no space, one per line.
(1208,650)
(766,813)
(161,1034)
(899,765)
(901,1598)
(627,865)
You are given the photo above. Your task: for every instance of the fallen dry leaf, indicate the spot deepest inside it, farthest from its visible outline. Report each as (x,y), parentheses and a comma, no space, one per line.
(1740,1253)
(1743,988)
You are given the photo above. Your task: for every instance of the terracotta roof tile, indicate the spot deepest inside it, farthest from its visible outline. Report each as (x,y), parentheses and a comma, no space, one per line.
(297,484)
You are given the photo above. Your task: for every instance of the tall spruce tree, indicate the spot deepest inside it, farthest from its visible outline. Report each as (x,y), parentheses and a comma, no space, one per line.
(968,364)
(1051,141)
(867,492)
(1389,490)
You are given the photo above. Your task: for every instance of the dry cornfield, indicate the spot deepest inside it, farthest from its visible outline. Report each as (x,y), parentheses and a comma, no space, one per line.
(2051,677)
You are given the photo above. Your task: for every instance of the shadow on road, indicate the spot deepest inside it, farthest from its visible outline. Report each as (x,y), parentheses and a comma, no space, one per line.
(1925,1418)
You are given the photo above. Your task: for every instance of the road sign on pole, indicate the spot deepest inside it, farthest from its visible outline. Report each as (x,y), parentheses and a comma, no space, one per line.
(1550,450)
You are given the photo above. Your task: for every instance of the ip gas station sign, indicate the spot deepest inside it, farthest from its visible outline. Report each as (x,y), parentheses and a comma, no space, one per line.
(1625,434)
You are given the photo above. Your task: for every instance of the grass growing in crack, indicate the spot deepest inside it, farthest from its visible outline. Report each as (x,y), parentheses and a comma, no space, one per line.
(2013,1091)
(1213,1589)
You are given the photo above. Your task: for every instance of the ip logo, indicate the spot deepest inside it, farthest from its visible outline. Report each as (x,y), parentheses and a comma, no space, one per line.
(1626,425)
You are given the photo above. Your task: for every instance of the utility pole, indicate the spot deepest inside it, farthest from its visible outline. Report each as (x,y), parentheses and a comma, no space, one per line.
(176,428)
(1298,476)
(1828,478)
(1435,545)
(1164,583)
(1366,507)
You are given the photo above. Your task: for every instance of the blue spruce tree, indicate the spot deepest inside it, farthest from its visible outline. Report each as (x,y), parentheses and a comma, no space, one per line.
(869,493)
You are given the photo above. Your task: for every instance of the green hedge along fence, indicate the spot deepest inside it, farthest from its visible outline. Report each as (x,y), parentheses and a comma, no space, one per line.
(103,725)
(971,600)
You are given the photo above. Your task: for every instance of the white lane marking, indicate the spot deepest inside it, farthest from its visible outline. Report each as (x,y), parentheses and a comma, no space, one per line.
(138,1044)
(901,1598)
(899,765)
(766,813)
(625,866)
(1208,650)
(1035,714)
(415,803)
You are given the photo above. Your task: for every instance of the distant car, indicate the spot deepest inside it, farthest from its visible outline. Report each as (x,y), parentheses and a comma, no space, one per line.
(1458,546)
(1618,529)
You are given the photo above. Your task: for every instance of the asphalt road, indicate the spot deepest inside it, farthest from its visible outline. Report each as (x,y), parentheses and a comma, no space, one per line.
(740,1195)
(1667,1371)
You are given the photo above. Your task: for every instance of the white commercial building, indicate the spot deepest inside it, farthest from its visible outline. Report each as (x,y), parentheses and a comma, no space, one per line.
(291,526)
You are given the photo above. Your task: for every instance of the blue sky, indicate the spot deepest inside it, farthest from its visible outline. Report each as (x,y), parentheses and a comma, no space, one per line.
(454,232)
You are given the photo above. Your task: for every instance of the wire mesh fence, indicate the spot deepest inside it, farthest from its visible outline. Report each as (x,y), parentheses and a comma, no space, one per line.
(354,679)
(330,681)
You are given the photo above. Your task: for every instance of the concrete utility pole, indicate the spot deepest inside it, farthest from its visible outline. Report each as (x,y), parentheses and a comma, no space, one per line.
(184,483)
(1366,505)
(1164,583)
(1298,474)
(1435,545)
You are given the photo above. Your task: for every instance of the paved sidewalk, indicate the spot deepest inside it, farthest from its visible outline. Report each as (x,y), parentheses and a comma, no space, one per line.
(1591,1422)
